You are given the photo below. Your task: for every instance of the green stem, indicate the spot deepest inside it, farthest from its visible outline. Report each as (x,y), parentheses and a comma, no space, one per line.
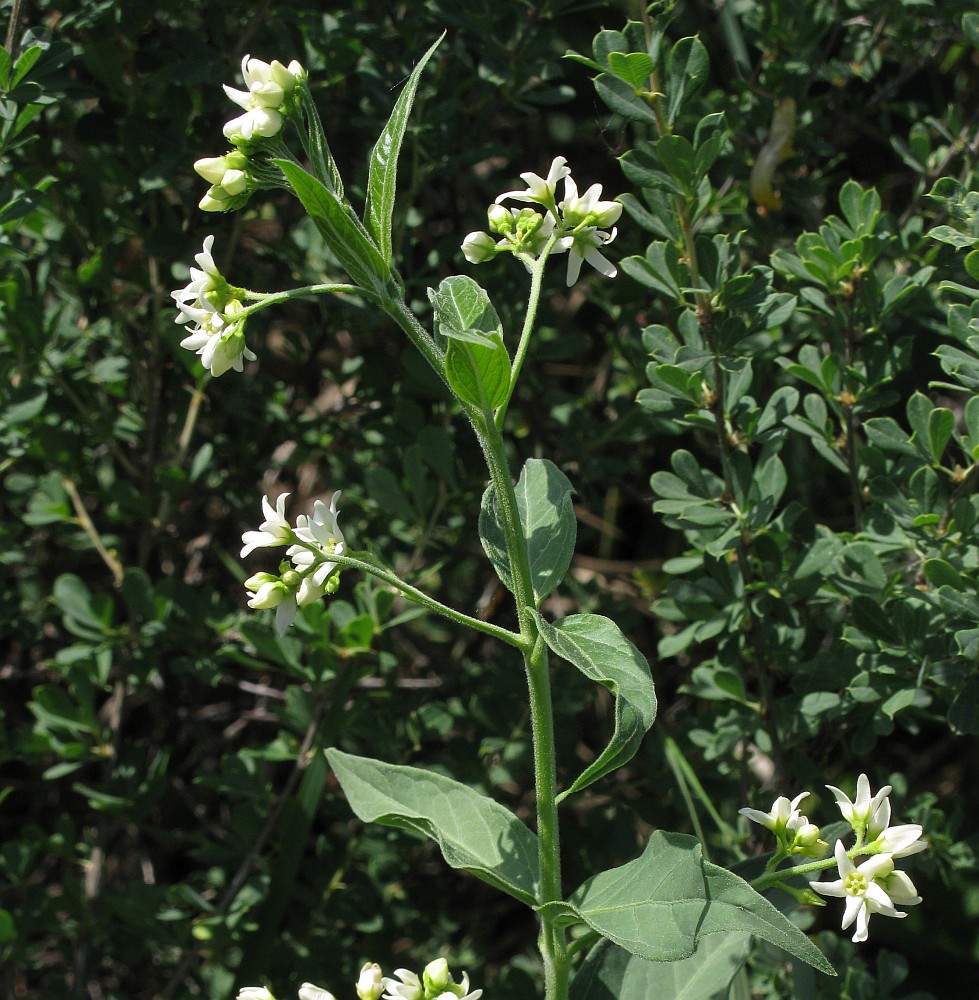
(536,281)
(773,878)
(263,299)
(553,942)
(420,597)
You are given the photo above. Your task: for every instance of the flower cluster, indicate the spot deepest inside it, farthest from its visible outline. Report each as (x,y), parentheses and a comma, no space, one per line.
(309,573)
(269,86)
(874,885)
(270,93)
(793,831)
(435,983)
(868,886)
(214,314)
(231,182)
(577,225)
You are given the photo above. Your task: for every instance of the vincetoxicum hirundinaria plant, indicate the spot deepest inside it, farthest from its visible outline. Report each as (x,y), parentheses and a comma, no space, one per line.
(670,905)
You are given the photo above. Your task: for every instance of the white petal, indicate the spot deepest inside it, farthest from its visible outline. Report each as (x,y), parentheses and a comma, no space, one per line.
(284,614)
(241,97)
(600,263)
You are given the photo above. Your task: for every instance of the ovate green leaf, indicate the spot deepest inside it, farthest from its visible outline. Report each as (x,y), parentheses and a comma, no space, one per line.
(661,906)
(474,833)
(479,373)
(547,519)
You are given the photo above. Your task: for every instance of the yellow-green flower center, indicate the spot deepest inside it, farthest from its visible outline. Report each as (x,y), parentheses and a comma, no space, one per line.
(855,884)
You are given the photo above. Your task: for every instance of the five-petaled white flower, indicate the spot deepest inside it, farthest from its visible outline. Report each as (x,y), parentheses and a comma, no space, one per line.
(870,887)
(583,246)
(900,841)
(204,280)
(322,538)
(587,209)
(268,84)
(540,190)
(783,815)
(866,810)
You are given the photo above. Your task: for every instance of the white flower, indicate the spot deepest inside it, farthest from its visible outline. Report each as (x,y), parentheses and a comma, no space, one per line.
(865,810)
(220,348)
(901,841)
(899,888)
(274,530)
(255,993)
(583,246)
(865,889)
(370,983)
(310,992)
(587,209)
(207,303)
(463,990)
(264,122)
(203,280)
(268,84)
(410,987)
(322,532)
(784,815)
(540,189)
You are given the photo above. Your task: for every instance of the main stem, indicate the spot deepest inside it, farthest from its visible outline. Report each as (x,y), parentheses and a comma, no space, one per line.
(553,943)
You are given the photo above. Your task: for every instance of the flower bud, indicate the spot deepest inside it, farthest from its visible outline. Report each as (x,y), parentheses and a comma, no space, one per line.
(528,222)
(479,247)
(211,168)
(436,976)
(269,595)
(370,984)
(500,219)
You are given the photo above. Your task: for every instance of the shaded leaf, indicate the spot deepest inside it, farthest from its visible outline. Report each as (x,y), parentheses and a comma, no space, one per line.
(611,973)
(547,518)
